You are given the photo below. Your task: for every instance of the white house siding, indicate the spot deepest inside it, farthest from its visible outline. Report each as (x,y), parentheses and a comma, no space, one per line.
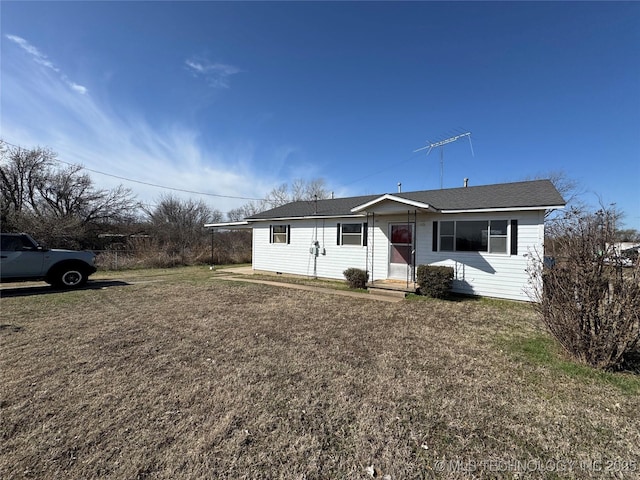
(492,275)
(295,258)
(486,274)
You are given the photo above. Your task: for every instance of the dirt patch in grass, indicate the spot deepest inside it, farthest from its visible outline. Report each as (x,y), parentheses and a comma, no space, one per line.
(212,379)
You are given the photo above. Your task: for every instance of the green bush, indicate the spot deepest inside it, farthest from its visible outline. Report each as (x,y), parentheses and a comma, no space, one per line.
(434,281)
(356,278)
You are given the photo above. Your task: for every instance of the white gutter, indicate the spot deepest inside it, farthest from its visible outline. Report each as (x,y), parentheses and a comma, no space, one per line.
(503,209)
(306,217)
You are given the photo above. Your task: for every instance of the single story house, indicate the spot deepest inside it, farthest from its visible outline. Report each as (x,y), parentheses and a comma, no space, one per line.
(489,234)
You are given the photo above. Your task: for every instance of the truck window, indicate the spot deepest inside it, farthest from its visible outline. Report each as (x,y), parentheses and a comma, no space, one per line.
(11,244)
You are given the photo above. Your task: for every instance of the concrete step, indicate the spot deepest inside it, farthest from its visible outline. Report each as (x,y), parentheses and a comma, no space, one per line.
(386,292)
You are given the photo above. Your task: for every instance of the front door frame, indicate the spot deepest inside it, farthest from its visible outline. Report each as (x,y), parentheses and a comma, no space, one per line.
(402,271)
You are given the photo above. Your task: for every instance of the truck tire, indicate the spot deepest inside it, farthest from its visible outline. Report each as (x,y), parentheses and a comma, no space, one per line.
(68,276)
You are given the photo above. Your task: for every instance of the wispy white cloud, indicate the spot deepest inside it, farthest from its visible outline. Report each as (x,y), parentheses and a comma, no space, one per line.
(42,59)
(78,88)
(96,132)
(37,55)
(216,74)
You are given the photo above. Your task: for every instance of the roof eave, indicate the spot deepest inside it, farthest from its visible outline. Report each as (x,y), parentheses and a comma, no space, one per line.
(393,198)
(502,209)
(243,224)
(304,217)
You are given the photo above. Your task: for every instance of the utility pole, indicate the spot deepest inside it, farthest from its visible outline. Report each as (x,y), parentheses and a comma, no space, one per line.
(441,144)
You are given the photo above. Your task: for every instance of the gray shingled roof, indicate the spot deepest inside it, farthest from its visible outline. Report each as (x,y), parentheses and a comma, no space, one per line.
(536,193)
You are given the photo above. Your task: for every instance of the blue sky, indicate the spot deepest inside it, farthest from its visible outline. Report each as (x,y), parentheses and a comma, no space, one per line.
(236,98)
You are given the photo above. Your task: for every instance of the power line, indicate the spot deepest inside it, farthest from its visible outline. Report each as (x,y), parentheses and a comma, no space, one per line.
(376,172)
(144,183)
(159,186)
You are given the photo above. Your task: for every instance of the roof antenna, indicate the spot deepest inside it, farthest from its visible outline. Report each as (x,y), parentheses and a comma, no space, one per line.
(441,144)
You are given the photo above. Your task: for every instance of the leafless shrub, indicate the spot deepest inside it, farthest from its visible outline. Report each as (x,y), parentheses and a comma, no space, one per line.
(587,298)
(232,246)
(229,247)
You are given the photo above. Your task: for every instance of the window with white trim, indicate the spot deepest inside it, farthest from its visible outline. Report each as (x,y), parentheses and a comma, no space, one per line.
(497,236)
(279,234)
(447,236)
(352,234)
(475,236)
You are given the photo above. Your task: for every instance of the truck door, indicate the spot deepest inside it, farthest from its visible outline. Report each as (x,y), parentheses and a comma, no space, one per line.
(19,257)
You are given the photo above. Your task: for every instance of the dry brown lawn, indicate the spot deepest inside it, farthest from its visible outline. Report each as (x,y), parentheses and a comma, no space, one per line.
(187,376)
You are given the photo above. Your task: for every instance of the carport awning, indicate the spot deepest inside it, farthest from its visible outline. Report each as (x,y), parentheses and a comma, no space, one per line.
(229,225)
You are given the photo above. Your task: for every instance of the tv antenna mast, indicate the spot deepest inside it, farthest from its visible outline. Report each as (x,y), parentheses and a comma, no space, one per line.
(441,144)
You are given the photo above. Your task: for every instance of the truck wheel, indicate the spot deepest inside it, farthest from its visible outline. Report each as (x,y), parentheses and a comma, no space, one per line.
(69,277)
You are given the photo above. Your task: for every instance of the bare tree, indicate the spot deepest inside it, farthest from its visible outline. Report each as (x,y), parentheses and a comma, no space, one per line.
(70,193)
(308,190)
(245,211)
(299,190)
(280,195)
(58,205)
(22,174)
(178,224)
(569,188)
(628,235)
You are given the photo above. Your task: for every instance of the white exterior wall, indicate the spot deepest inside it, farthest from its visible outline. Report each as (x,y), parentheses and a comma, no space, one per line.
(295,257)
(475,273)
(490,274)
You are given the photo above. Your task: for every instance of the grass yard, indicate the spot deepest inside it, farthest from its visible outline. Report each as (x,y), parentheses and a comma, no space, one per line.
(177,374)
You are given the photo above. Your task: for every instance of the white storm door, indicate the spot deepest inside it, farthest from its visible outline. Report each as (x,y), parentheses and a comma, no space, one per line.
(401,244)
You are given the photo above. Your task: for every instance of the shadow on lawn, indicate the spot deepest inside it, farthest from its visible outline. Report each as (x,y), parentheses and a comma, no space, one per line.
(452,297)
(44,290)
(632,362)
